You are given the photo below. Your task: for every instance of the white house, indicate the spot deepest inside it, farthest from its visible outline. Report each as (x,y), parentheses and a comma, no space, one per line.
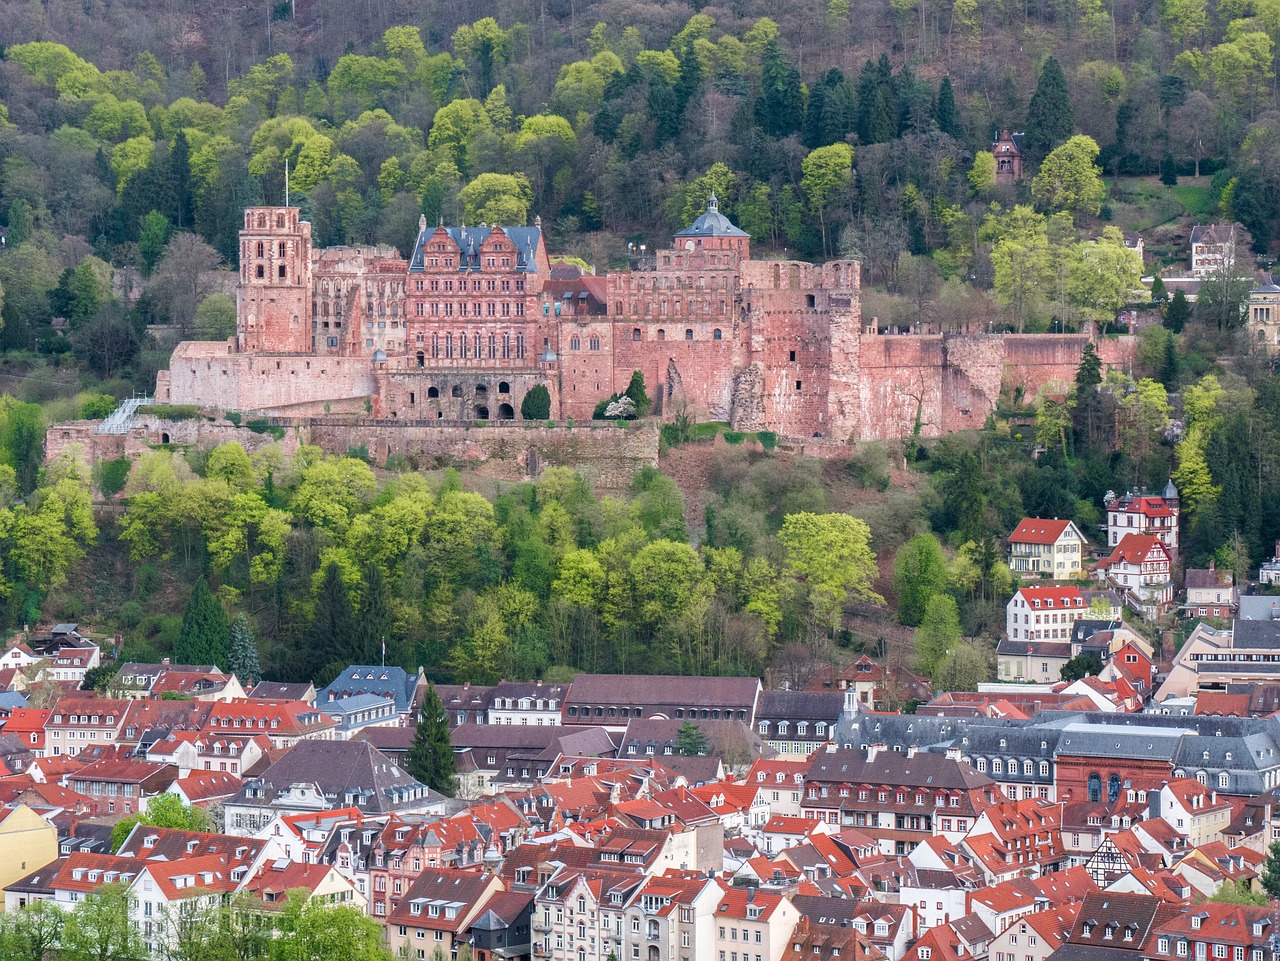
(1140,565)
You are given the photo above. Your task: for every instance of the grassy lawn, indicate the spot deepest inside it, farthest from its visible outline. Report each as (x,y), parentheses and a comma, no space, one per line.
(1193,197)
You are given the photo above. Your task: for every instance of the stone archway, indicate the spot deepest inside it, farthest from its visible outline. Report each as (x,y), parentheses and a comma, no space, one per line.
(506,412)
(481,412)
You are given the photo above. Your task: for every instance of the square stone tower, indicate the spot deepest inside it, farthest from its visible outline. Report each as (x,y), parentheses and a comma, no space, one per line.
(274,296)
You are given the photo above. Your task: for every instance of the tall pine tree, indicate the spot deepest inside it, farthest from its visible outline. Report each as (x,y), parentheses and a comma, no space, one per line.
(779,109)
(1050,118)
(242,657)
(945,112)
(373,619)
(430,757)
(205,636)
(328,637)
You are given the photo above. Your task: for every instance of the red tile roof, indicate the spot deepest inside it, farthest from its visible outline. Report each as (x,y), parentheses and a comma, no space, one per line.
(1053,596)
(1034,530)
(1136,550)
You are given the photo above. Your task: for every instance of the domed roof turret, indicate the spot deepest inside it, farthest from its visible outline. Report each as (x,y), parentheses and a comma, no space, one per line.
(713,223)
(1170,492)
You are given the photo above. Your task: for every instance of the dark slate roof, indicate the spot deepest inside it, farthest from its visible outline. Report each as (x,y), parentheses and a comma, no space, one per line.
(891,767)
(713,224)
(1255,634)
(470,239)
(1045,648)
(1086,627)
(800,705)
(280,691)
(393,682)
(1183,742)
(338,768)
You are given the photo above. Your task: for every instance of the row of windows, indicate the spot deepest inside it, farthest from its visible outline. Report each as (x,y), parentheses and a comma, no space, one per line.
(477,285)
(490,309)
(998,767)
(478,349)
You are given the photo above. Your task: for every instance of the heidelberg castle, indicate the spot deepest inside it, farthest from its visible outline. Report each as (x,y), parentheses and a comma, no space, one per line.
(478,316)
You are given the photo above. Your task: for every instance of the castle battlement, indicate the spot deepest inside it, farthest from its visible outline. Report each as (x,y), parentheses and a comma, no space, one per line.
(473,319)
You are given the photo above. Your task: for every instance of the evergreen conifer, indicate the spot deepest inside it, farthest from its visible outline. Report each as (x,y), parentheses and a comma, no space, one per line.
(242,657)
(327,640)
(1050,117)
(946,109)
(205,636)
(430,757)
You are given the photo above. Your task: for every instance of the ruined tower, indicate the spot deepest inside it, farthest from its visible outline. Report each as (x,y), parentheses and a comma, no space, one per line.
(274,295)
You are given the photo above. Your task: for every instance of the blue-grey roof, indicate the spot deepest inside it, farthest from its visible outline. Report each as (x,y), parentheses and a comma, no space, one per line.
(393,682)
(713,224)
(1258,607)
(11,700)
(1243,748)
(470,240)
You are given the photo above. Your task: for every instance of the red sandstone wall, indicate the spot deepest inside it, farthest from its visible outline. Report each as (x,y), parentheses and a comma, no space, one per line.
(957,379)
(210,376)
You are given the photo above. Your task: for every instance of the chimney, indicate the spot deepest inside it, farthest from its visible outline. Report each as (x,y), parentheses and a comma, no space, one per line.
(164,661)
(1211,564)
(875,750)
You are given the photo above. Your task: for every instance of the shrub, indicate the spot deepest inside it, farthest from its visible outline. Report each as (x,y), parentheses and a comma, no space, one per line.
(109,476)
(175,411)
(734,436)
(359,452)
(767,438)
(97,406)
(536,404)
(129,614)
(259,425)
(233,417)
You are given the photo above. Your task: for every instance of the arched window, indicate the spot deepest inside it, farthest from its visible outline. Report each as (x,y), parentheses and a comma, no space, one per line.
(433,392)
(688,334)
(1095,786)
(635,333)
(280,221)
(662,334)
(1113,788)
(717,334)
(504,387)
(575,343)
(1224,780)
(455,391)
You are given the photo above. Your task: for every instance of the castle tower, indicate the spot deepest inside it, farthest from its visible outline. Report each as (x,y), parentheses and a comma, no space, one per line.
(274,296)
(714,231)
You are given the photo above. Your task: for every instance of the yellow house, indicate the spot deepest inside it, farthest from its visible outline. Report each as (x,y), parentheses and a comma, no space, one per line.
(1048,549)
(27,843)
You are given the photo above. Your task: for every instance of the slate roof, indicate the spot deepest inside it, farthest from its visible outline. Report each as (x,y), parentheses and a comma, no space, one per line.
(393,682)
(800,705)
(338,768)
(469,240)
(712,223)
(889,767)
(1255,634)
